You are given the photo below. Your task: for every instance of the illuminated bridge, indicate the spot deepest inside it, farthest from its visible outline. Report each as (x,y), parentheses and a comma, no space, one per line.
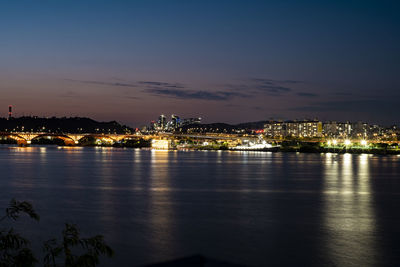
(24,138)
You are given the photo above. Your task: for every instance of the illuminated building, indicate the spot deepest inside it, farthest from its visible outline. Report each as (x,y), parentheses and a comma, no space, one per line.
(337,129)
(175,121)
(360,129)
(163,125)
(306,128)
(274,129)
(162,122)
(160,144)
(303,128)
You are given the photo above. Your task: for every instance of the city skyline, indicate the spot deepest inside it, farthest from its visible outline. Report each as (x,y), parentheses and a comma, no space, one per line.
(199,120)
(223,61)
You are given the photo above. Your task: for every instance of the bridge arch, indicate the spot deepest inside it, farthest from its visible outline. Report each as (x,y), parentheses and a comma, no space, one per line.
(67,140)
(27,138)
(20,139)
(100,138)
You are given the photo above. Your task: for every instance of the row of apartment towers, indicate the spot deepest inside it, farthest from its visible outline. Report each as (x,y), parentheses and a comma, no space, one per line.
(316,128)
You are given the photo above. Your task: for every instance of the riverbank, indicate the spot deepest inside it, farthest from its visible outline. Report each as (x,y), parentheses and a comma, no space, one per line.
(298,149)
(378,151)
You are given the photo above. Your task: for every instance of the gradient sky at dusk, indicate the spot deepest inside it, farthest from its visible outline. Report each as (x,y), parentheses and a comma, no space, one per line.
(225,61)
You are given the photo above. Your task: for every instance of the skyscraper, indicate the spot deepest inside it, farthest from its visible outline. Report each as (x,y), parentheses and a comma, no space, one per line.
(162,122)
(175,120)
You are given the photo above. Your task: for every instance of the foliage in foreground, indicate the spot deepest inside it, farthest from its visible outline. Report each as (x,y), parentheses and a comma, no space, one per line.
(70,250)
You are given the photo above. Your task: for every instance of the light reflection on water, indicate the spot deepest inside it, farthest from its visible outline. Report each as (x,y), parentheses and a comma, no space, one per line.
(275,209)
(349,216)
(161,224)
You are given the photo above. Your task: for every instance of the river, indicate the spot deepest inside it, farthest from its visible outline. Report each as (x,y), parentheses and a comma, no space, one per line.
(252,208)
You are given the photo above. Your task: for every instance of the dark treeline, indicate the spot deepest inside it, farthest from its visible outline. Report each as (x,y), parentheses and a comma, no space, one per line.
(62,125)
(222,128)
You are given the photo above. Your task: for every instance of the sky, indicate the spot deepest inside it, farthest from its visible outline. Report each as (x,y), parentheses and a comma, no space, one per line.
(223,60)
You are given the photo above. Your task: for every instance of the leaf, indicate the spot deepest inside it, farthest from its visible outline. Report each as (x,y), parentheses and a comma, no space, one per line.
(91,247)
(16,207)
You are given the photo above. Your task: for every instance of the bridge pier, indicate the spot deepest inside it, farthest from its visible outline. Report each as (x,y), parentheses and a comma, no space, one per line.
(75,138)
(22,142)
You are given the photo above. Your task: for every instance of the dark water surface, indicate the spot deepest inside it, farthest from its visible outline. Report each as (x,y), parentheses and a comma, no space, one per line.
(255,208)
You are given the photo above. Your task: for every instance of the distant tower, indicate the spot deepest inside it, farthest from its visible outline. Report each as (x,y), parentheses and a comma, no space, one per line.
(162,122)
(175,121)
(9,112)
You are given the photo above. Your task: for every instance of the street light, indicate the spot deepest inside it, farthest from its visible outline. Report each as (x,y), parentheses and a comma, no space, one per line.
(363,142)
(347,142)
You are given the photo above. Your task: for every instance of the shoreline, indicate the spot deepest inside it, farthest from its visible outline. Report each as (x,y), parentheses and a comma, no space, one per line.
(373,151)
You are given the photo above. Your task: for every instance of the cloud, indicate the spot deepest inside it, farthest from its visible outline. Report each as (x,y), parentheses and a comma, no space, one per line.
(273,81)
(275,89)
(195,94)
(161,84)
(117,84)
(291,81)
(177,90)
(252,87)
(172,90)
(306,94)
(151,84)
(269,87)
